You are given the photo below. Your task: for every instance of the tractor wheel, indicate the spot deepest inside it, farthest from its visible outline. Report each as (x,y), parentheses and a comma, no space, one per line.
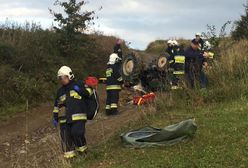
(130,69)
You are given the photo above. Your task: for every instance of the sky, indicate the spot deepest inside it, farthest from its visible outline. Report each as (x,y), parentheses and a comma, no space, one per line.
(136,21)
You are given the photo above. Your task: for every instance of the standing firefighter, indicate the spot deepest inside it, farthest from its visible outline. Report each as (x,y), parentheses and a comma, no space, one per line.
(198,38)
(114,82)
(194,63)
(177,64)
(71,96)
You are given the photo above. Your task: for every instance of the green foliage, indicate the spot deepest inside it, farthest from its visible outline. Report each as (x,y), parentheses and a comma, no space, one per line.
(71,25)
(215,36)
(241,29)
(30,58)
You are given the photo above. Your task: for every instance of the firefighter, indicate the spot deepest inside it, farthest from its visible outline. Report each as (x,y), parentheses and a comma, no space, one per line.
(198,38)
(170,47)
(177,66)
(71,96)
(114,82)
(118,48)
(194,63)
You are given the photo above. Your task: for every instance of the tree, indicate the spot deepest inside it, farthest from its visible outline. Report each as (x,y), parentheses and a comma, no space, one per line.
(71,25)
(241,29)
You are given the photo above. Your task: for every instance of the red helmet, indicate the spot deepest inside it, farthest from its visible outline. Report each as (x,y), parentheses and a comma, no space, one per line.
(91,81)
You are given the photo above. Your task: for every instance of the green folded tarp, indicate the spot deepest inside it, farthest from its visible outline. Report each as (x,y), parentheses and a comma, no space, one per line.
(149,136)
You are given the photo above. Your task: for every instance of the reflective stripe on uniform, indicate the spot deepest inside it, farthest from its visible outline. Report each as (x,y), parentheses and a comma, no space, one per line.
(120,79)
(114,105)
(81,149)
(178,72)
(74,94)
(80,116)
(69,155)
(90,91)
(55,110)
(107,107)
(179,59)
(171,61)
(62,121)
(113,87)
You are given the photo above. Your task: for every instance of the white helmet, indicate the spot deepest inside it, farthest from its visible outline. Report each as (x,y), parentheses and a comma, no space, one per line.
(175,43)
(113,58)
(170,42)
(65,71)
(198,34)
(207,45)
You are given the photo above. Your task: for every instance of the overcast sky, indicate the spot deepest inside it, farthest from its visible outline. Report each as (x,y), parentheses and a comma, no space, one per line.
(137,21)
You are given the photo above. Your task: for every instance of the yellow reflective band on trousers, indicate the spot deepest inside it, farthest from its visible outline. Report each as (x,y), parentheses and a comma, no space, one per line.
(107,107)
(113,105)
(113,87)
(81,149)
(69,155)
(179,59)
(62,121)
(55,110)
(178,72)
(74,94)
(120,79)
(80,116)
(90,91)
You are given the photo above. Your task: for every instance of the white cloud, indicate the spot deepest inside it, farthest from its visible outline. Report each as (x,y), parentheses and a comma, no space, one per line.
(138,21)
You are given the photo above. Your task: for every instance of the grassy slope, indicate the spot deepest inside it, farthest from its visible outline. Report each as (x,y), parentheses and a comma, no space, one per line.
(220,141)
(221,115)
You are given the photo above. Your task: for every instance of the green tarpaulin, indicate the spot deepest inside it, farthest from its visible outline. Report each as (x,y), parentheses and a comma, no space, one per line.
(149,136)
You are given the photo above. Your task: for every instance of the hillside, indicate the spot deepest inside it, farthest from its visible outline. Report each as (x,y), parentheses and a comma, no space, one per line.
(30,58)
(220,113)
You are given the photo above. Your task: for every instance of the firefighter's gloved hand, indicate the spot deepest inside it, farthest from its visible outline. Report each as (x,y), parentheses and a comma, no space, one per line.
(55,123)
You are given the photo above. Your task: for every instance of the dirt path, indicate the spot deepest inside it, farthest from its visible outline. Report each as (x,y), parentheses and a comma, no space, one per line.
(29,140)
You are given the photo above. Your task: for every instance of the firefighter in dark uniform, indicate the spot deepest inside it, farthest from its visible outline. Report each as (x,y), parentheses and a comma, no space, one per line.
(177,63)
(118,48)
(198,38)
(170,47)
(113,84)
(194,64)
(71,96)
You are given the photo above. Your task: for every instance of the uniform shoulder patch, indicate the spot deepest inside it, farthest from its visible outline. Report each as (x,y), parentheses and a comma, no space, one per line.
(76,88)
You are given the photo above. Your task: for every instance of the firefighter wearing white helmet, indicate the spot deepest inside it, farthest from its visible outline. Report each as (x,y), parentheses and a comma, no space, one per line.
(72,95)
(113,84)
(198,38)
(169,49)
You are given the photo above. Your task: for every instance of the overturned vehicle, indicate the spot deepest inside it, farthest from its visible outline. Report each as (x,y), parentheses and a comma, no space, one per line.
(148,71)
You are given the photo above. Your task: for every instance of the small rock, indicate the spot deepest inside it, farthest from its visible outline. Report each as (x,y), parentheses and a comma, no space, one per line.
(27,142)
(6,144)
(23,151)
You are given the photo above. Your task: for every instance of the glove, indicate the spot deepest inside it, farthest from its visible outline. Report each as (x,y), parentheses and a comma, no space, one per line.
(55,123)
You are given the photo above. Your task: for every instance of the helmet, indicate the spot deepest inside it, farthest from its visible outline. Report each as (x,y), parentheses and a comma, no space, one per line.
(91,81)
(113,58)
(65,71)
(170,42)
(174,42)
(207,45)
(198,34)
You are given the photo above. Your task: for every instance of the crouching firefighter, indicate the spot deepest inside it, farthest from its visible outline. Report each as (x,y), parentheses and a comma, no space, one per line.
(72,97)
(114,82)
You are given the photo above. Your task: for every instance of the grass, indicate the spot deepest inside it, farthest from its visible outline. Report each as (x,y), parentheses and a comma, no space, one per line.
(220,141)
